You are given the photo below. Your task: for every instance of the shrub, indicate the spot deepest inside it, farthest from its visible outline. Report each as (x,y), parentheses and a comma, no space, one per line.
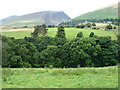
(94,28)
(91,34)
(80,34)
(109,26)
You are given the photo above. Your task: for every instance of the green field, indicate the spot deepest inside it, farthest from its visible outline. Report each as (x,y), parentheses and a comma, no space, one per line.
(105,77)
(70,33)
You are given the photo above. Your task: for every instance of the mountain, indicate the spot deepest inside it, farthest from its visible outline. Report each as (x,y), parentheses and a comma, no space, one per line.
(44,17)
(107,12)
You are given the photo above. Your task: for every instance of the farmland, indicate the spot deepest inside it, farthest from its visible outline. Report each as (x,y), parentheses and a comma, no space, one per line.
(70,32)
(45,48)
(105,77)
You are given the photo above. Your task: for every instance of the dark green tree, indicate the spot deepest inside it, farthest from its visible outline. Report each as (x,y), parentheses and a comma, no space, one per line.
(108,27)
(114,27)
(88,25)
(51,26)
(91,34)
(39,30)
(80,34)
(51,56)
(25,26)
(61,32)
(109,52)
(15,61)
(93,24)
(80,26)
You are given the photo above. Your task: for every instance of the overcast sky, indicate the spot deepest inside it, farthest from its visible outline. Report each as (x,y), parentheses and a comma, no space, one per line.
(72,8)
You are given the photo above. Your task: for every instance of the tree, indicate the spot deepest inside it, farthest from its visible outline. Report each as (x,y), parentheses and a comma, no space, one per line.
(94,28)
(108,27)
(91,34)
(61,32)
(118,40)
(114,27)
(59,41)
(25,26)
(51,56)
(93,24)
(79,51)
(44,29)
(51,26)
(88,25)
(39,30)
(109,52)
(15,61)
(80,26)
(80,34)
(15,27)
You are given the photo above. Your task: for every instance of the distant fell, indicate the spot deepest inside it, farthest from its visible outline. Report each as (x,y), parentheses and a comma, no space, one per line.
(44,17)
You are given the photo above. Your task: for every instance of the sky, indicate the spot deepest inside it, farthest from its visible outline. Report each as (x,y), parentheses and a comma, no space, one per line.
(72,8)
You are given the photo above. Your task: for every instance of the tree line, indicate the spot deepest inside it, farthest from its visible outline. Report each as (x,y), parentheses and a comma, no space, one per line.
(73,23)
(44,51)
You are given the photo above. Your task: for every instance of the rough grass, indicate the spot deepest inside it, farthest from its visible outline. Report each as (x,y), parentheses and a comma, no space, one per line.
(70,33)
(105,77)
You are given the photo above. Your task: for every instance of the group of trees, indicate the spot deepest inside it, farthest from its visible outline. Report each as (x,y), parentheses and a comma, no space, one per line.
(88,25)
(73,23)
(39,30)
(109,27)
(57,51)
(93,26)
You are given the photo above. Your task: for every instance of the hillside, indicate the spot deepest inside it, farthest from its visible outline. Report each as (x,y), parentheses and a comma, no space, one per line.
(44,17)
(107,12)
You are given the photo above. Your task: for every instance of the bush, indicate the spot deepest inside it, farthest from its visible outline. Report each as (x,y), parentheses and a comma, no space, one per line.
(93,24)
(94,28)
(80,26)
(91,34)
(88,25)
(108,27)
(80,34)
(25,65)
(114,27)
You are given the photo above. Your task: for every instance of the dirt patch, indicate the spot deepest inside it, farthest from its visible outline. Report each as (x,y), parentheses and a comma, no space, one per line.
(15,30)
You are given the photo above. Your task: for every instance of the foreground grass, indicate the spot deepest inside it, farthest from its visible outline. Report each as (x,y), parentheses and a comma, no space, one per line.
(70,33)
(106,77)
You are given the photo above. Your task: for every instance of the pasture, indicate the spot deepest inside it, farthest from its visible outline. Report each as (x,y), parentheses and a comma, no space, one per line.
(105,77)
(70,32)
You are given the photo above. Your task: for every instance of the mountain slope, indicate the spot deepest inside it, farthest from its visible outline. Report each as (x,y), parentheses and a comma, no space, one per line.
(44,17)
(108,12)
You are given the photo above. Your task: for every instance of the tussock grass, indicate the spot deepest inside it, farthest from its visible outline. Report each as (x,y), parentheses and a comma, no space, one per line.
(103,77)
(81,71)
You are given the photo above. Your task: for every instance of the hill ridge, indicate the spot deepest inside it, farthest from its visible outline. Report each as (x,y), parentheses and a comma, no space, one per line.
(43,17)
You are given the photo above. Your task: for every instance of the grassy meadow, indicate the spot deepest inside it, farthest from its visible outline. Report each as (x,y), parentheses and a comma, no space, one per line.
(70,33)
(105,77)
